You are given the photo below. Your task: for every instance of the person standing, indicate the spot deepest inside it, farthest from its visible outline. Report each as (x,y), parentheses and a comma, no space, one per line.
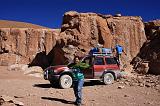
(119,50)
(78,78)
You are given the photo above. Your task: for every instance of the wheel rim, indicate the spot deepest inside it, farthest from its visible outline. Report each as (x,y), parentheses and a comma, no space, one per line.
(66,81)
(108,78)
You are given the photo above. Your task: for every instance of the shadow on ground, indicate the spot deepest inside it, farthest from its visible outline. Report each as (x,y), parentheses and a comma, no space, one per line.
(86,84)
(46,86)
(59,100)
(92,83)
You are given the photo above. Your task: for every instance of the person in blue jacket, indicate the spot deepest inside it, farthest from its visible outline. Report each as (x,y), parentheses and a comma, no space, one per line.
(119,50)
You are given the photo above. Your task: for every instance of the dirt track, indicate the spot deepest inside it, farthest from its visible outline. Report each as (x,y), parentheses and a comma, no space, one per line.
(38,92)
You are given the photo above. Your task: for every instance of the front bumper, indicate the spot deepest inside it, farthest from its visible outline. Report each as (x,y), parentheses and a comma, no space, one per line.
(49,75)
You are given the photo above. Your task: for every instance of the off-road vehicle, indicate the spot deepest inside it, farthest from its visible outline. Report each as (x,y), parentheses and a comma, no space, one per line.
(102,67)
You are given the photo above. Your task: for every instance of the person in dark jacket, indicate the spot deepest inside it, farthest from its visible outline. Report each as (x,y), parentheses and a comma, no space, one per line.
(78,78)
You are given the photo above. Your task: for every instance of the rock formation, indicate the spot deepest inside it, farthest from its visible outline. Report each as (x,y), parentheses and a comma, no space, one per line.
(82,31)
(79,33)
(151,48)
(26,45)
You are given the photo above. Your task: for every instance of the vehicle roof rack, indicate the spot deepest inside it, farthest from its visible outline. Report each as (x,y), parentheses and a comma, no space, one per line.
(102,54)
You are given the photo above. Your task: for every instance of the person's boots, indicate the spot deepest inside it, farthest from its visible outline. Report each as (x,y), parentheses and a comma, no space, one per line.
(78,104)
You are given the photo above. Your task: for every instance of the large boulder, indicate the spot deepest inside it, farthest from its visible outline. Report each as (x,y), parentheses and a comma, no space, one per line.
(8,101)
(82,31)
(35,71)
(150,51)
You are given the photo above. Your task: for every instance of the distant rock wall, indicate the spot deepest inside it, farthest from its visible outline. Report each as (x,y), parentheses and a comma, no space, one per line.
(26,45)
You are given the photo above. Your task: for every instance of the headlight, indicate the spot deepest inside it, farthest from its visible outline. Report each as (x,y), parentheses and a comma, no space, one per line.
(55,71)
(45,74)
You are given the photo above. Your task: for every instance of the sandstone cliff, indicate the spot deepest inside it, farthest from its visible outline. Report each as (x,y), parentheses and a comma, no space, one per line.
(79,33)
(26,45)
(82,31)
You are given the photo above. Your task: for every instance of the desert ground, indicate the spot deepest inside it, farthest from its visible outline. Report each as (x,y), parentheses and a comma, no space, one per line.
(32,91)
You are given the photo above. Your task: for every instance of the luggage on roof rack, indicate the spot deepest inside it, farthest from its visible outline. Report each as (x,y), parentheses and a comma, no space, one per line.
(94,50)
(101,52)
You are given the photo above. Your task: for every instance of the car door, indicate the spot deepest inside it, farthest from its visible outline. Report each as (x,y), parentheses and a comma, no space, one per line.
(99,66)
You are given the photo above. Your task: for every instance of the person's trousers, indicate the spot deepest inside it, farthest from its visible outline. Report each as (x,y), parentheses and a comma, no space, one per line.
(77,87)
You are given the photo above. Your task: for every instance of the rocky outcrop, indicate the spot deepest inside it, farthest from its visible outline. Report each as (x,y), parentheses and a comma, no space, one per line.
(35,71)
(79,33)
(82,31)
(7,101)
(148,80)
(26,45)
(151,48)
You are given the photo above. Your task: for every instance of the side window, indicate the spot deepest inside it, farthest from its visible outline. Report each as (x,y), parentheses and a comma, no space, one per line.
(99,61)
(110,61)
(88,60)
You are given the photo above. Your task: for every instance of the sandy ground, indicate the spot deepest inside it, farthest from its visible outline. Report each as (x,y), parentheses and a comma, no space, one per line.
(38,92)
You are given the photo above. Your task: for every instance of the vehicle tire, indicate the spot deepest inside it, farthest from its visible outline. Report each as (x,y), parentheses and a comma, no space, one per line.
(108,78)
(65,81)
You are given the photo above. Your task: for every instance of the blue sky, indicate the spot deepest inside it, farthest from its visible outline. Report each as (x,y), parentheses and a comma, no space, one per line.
(49,13)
